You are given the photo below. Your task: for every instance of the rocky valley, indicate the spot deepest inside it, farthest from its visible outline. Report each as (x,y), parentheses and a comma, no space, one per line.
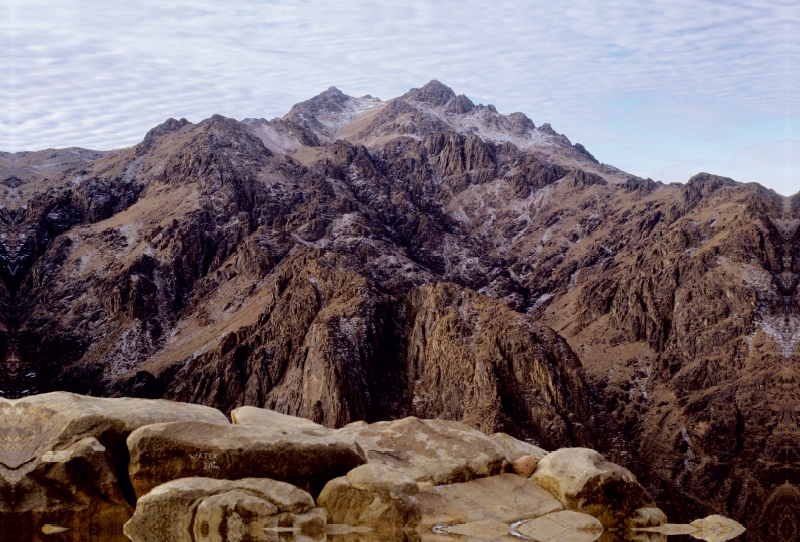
(368,260)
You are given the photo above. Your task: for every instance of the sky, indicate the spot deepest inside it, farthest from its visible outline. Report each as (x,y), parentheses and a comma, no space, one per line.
(661,89)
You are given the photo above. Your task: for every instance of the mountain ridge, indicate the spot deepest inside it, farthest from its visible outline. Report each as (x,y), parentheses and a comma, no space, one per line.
(367,259)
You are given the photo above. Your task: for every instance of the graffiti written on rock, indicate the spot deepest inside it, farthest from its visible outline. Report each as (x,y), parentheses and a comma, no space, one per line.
(207,461)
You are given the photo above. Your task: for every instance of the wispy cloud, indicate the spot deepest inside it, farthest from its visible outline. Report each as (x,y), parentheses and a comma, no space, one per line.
(101,74)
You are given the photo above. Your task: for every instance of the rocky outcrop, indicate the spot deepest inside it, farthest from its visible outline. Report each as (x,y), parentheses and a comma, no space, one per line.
(264,417)
(77,484)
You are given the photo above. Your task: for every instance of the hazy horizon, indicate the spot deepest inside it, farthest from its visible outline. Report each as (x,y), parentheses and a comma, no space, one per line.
(663,90)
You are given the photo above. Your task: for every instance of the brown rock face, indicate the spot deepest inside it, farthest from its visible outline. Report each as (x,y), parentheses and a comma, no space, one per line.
(361,259)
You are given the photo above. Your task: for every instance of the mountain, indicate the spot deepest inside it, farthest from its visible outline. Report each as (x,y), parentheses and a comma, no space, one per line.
(368,259)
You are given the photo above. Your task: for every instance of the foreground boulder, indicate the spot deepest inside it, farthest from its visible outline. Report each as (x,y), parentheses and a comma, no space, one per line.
(205,509)
(435,451)
(373,496)
(384,499)
(585,481)
(306,457)
(63,460)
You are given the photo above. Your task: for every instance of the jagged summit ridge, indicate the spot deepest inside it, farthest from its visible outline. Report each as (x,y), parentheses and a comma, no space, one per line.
(433,108)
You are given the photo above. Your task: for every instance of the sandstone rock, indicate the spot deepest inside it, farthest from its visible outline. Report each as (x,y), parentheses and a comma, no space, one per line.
(525,465)
(306,457)
(516,448)
(372,495)
(645,517)
(248,415)
(564,526)
(506,498)
(437,451)
(585,481)
(205,509)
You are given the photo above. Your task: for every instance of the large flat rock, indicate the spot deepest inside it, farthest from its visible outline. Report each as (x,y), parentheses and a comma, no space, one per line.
(505,498)
(305,457)
(435,451)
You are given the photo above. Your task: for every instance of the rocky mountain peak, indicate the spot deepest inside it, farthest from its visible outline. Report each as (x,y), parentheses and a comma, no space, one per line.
(434,93)
(332,100)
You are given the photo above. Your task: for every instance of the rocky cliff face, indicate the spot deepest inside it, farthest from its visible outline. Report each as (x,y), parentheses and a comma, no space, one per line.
(367,259)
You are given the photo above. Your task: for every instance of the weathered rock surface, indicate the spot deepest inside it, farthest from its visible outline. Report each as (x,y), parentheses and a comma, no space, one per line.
(435,451)
(584,481)
(206,509)
(305,457)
